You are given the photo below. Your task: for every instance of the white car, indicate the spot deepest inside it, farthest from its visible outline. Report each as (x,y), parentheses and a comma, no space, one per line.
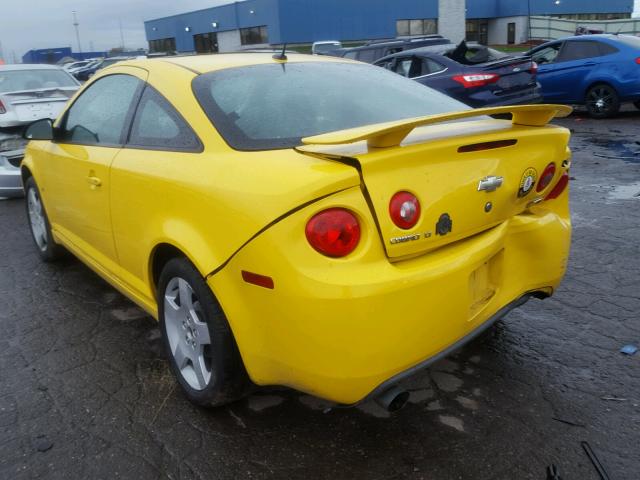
(322,48)
(27,93)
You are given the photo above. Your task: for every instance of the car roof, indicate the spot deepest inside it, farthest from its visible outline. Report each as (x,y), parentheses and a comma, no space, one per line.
(28,66)
(220,61)
(594,36)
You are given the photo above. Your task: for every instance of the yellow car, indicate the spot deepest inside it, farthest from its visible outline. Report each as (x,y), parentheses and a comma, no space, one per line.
(305,221)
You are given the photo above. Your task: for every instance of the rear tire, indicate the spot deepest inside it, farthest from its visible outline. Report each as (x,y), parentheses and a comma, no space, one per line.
(198,341)
(48,249)
(637,104)
(602,101)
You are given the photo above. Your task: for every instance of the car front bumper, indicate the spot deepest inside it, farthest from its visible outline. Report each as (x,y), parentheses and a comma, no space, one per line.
(344,328)
(10,178)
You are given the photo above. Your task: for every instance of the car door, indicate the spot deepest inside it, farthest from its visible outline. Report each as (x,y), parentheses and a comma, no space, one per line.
(576,60)
(77,170)
(148,192)
(545,56)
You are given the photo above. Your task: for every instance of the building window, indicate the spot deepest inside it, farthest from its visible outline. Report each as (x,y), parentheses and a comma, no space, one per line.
(206,42)
(477,30)
(594,16)
(162,45)
(427,26)
(253,35)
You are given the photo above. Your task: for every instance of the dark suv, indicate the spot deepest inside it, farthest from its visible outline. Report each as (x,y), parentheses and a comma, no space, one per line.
(374,50)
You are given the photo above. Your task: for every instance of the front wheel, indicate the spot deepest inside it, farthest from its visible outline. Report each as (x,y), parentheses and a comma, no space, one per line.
(602,101)
(39,223)
(202,351)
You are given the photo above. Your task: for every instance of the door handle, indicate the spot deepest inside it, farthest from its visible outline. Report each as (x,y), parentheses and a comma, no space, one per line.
(94,181)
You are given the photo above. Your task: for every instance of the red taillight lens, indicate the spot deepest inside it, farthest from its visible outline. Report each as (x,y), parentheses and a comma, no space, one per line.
(534,68)
(638,60)
(559,188)
(334,232)
(546,177)
(2,109)
(404,209)
(477,79)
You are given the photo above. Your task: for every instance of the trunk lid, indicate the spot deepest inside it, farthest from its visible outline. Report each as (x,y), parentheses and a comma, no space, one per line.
(31,105)
(516,73)
(455,170)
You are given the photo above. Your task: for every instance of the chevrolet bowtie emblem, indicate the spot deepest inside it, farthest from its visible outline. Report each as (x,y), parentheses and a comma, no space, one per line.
(490,184)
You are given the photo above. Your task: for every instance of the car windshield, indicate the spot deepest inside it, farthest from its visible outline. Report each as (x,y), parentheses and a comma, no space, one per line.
(273,106)
(326,47)
(17,80)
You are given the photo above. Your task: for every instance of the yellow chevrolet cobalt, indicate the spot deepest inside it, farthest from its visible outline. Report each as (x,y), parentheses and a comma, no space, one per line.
(309,222)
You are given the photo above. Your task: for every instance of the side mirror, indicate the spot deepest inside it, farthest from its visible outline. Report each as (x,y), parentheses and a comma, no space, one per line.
(39,130)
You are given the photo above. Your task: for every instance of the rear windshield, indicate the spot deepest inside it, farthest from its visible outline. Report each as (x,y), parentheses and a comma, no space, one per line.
(16,80)
(274,106)
(629,40)
(326,47)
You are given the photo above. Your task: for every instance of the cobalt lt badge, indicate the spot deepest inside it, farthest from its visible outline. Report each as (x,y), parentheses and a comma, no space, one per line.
(527,182)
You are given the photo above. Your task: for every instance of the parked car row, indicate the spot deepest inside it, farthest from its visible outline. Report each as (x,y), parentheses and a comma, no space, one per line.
(598,71)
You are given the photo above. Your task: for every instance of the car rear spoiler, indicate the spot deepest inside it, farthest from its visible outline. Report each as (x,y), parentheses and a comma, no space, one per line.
(391,134)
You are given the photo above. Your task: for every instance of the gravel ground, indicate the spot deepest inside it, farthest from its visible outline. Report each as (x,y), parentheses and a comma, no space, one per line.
(86,393)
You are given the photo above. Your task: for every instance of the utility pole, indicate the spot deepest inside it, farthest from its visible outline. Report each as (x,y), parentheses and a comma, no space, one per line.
(121,35)
(75,24)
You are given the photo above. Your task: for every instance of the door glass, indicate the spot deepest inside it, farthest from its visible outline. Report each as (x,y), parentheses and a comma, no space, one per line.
(99,115)
(577,50)
(546,55)
(430,66)
(158,125)
(403,66)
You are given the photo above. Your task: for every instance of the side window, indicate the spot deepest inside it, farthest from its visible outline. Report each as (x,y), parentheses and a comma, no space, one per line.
(368,55)
(547,54)
(430,66)
(606,49)
(158,125)
(578,50)
(403,66)
(99,116)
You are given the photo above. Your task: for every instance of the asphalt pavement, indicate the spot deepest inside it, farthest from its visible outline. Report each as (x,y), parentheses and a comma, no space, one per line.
(85,391)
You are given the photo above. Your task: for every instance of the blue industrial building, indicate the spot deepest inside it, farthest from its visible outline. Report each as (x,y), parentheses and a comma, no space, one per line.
(54,55)
(259,22)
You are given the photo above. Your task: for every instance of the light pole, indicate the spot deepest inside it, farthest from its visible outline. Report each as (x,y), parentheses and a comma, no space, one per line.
(529,19)
(75,24)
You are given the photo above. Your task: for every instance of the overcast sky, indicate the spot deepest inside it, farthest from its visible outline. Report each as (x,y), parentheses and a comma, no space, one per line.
(49,23)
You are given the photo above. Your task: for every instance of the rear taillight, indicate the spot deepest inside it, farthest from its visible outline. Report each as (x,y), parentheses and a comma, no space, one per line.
(404,209)
(2,109)
(638,60)
(477,79)
(334,232)
(534,68)
(546,177)
(559,188)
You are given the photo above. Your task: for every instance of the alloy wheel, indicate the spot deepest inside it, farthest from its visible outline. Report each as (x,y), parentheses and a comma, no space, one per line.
(188,333)
(601,99)
(37,219)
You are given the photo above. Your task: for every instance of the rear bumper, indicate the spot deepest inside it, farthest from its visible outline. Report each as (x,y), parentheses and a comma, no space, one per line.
(342,329)
(526,96)
(10,178)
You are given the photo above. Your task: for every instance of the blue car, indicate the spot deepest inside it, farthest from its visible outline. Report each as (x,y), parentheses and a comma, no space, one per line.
(473,74)
(598,71)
